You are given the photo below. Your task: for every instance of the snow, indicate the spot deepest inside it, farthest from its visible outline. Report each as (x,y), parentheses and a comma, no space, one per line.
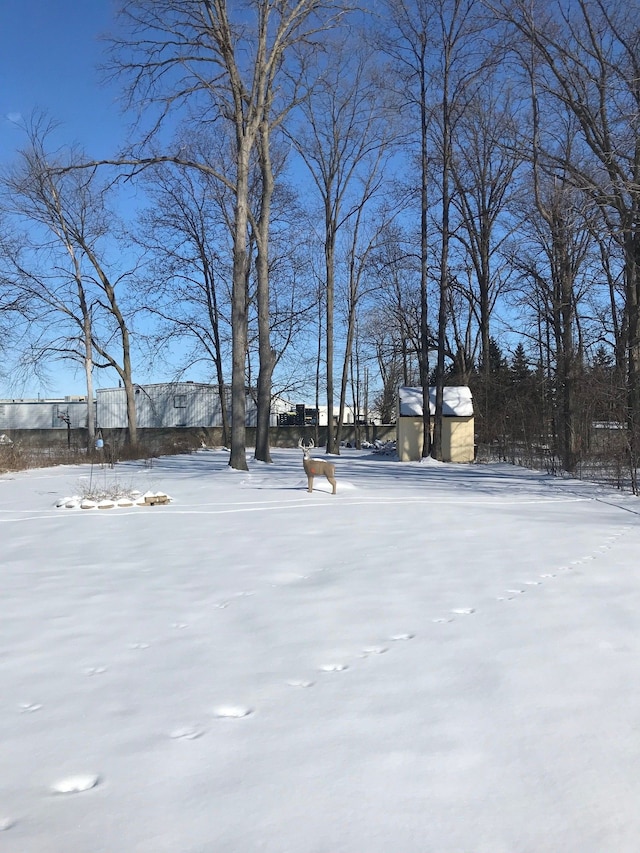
(457,401)
(438,659)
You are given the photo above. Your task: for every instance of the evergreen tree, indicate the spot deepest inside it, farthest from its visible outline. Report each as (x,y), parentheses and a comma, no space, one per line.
(519,365)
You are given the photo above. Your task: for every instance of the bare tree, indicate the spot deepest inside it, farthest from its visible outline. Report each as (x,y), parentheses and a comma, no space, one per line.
(392,318)
(193,54)
(406,39)
(364,237)
(552,256)
(189,291)
(484,164)
(340,139)
(462,53)
(62,266)
(588,62)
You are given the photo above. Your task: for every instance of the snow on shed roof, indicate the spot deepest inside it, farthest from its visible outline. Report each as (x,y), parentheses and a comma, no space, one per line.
(457,401)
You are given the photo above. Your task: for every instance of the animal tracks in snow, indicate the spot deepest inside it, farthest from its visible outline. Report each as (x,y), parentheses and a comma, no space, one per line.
(190,732)
(515,592)
(186,733)
(374,650)
(75,784)
(334,667)
(29,707)
(510,594)
(232,712)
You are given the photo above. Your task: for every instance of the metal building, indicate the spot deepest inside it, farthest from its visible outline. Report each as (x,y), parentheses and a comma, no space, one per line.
(172,404)
(43,414)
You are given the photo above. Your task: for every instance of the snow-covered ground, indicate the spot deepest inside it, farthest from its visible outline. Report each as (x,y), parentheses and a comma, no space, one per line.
(438,659)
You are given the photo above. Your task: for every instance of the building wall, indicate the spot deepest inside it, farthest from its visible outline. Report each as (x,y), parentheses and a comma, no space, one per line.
(160,406)
(161,439)
(457,439)
(41,414)
(180,404)
(176,404)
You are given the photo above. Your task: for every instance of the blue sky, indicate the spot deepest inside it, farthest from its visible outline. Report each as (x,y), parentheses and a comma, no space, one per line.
(49,56)
(50,51)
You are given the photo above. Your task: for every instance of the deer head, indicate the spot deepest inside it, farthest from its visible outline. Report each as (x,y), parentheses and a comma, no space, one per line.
(306,448)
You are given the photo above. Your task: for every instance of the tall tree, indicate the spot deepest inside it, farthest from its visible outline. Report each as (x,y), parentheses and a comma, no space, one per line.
(340,138)
(63,266)
(460,49)
(588,62)
(484,164)
(185,230)
(221,67)
(405,38)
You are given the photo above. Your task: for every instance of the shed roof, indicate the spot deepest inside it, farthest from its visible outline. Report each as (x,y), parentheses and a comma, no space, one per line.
(457,401)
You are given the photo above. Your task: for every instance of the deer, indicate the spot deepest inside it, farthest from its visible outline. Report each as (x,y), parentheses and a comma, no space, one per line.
(316,466)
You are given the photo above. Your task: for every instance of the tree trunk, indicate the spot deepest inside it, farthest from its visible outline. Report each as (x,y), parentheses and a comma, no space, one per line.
(424,324)
(345,368)
(91,412)
(238,458)
(330,272)
(267,355)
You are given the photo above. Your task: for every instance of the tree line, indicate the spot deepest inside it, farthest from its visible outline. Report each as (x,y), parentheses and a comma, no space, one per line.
(327,199)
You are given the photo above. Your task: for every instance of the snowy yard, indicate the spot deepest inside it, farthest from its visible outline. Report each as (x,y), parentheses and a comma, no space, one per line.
(438,659)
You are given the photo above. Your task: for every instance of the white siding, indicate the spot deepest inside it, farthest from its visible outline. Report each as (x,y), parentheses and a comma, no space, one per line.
(175,404)
(41,414)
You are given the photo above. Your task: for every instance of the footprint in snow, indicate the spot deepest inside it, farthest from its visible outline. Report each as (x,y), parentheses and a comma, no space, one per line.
(186,733)
(75,784)
(29,707)
(374,650)
(6,823)
(232,712)
(299,683)
(464,611)
(547,575)
(532,583)
(95,670)
(512,593)
(333,667)
(179,625)
(134,646)
(402,636)
(442,620)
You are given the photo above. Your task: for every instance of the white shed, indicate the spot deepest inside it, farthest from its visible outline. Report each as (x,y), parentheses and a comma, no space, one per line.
(457,423)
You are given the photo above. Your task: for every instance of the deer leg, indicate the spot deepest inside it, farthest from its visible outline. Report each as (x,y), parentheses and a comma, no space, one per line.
(309,482)
(333,483)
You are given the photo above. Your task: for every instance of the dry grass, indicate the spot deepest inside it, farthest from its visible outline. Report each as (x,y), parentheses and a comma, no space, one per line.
(18,457)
